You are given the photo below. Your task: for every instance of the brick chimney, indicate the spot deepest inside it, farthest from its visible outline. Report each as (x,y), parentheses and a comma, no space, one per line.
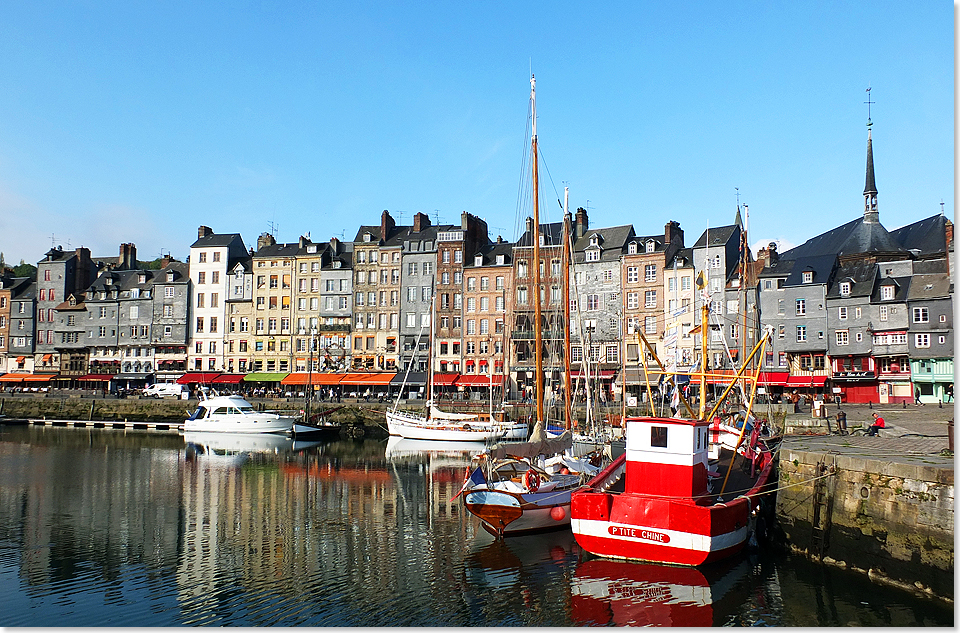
(265,240)
(420,222)
(530,229)
(334,246)
(386,225)
(128,257)
(673,234)
(203,232)
(582,223)
(948,234)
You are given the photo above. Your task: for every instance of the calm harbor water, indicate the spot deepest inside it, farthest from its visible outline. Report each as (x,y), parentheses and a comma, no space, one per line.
(114,528)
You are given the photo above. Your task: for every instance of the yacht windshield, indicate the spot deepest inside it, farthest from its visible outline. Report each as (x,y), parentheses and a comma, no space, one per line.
(246,409)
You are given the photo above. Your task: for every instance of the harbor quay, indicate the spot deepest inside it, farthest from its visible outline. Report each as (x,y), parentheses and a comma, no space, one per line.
(883,505)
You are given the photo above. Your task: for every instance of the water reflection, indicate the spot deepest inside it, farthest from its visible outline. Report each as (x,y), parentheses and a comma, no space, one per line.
(139,528)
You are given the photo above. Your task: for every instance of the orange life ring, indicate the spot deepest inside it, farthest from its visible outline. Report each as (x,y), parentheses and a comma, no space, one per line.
(531,480)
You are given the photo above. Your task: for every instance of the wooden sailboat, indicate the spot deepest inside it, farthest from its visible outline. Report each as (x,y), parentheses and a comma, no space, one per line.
(526,487)
(662,500)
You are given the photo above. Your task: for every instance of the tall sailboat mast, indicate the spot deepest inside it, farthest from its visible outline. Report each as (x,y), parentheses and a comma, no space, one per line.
(567,407)
(538,334)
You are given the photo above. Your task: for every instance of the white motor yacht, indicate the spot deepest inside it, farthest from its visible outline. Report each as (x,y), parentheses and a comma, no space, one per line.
(233,414)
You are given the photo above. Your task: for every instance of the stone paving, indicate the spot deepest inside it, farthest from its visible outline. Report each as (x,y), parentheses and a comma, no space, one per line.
(914,435)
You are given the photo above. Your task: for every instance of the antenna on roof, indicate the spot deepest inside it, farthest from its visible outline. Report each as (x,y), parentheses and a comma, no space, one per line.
(53,240)
(436,212)
(869,103)
(941,206)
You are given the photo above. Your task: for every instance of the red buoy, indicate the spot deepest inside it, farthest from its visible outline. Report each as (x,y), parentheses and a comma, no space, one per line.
(557,513)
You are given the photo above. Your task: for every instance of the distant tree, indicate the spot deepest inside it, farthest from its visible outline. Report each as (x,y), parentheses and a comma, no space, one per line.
(156,264)
(25,270)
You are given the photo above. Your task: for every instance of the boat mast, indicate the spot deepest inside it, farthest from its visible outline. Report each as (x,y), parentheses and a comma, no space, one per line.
(309,378)
(567,408)
(704,326)
(538,335)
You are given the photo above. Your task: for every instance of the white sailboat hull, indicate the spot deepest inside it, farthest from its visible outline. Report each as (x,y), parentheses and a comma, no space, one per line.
(417,427)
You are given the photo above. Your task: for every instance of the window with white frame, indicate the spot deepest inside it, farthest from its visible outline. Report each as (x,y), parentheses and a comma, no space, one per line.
(887,293)
(801,307)
(650,299)
(843,337)
(593,302)
(844,288)
(633,274)
(613,353)
(650,325)
(807,277)
(884,311)
(801,333)
(922,340)
(633,300)
(842,312)
(650,273)
(592,255)
(921,315)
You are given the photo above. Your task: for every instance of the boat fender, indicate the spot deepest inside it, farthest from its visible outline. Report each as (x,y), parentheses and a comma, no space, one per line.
(531,480)
(466,427)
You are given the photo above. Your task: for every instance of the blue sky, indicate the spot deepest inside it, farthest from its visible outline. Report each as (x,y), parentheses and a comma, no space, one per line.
(139,121)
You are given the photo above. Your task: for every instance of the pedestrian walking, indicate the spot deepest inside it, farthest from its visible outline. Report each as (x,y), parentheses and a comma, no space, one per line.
(948,391)
(916,394)
(878,424)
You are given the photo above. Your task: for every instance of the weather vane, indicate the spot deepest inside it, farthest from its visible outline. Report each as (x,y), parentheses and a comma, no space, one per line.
(868,102)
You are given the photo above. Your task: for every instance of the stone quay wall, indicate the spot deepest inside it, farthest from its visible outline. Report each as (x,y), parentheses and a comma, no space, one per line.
(871,507)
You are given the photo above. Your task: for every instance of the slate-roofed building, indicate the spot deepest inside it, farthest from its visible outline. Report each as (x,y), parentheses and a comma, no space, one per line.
(597,329)
(930,336)
(59,274)
(16,324)
(273,269)
(212,256)
(487,284)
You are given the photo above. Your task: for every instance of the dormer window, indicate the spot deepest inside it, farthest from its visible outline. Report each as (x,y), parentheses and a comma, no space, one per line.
(501,259)
(367,237)
(886,293)
(142,278)
(170,276)
(807,276)
(632,248)
(651,246)
(592,255)
(478,260)
(336,264)
(311,248)
(845,289)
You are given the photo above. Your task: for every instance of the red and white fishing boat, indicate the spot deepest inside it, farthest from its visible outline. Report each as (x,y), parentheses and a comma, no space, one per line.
(654,503)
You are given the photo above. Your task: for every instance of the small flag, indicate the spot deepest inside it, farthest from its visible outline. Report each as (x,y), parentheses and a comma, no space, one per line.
(476,478)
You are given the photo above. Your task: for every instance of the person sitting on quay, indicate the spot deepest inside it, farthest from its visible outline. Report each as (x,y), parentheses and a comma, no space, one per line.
(878,424)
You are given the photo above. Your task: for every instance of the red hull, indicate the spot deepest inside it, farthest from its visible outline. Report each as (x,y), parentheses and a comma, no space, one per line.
(645,527)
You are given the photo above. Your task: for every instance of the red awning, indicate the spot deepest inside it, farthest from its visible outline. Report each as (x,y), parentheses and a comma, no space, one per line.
(227,379)
(199,377)
(98,377)
(819,381)
(774,378)
(42,377)
(20,359)
(603,373)
(800,381)
(444,380)
(12,377)
(367,379)
(328,379)
(46,358)
(479,380)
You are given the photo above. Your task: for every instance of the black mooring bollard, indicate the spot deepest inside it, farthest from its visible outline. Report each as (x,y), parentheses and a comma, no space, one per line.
(870,403)
(904,404)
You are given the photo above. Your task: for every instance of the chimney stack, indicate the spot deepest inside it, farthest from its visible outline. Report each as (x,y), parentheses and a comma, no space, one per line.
(265,240)
(582,223)
(530,229)
(128,257)
(203,232)
(420,222)
(334,246)
(386,225)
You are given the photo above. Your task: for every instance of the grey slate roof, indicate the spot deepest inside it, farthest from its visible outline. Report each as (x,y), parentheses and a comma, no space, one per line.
(821,265)
(927,236)
(779,268)
(862,277)
(683,257)
(925,287)
(718,236)
(277,250)
(851,238)
(217,239)
(490,253)
(552,235)
(902,285)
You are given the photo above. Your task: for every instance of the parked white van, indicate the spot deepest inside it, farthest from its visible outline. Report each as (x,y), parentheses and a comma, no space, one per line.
(167,390)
